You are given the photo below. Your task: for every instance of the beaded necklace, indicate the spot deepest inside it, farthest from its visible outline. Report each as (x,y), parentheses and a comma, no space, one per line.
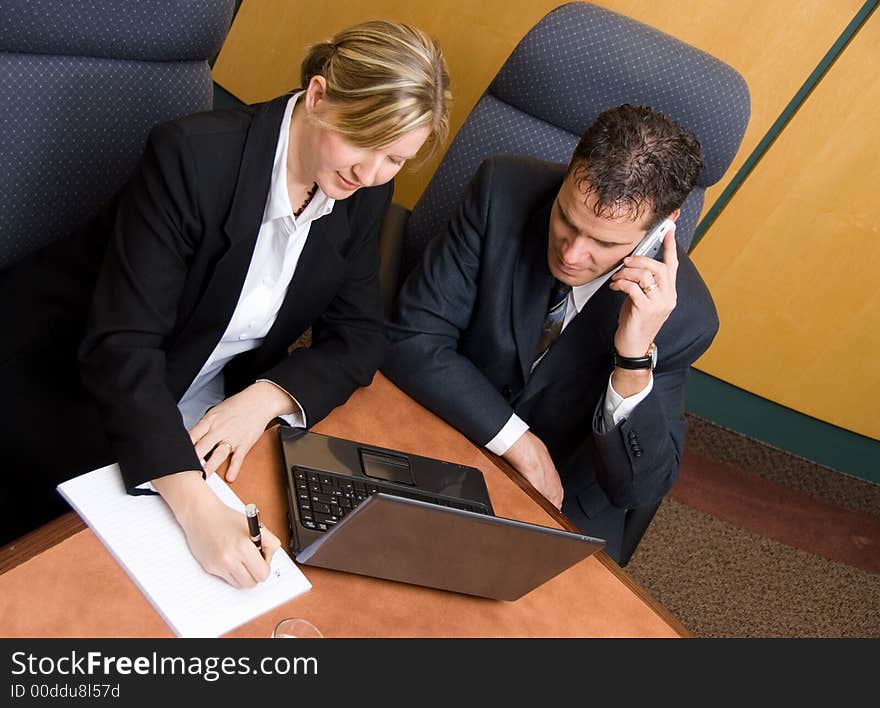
(311,193)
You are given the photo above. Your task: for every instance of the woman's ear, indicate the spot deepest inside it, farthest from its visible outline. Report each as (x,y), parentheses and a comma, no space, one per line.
(316,92)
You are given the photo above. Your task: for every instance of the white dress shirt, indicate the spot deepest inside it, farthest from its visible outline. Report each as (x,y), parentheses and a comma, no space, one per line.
(280,242)
(616,408)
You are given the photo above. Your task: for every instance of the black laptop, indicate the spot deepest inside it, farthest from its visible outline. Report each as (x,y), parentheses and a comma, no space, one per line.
(379,512)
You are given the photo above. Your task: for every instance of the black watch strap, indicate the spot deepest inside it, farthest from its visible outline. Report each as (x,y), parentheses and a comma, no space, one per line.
(639,362)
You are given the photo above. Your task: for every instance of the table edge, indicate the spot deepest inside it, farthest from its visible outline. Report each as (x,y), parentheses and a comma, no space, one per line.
(602,557)
(63,527)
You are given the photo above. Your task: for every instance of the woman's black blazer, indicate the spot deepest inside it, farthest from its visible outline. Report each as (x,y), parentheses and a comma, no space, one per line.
(181,237)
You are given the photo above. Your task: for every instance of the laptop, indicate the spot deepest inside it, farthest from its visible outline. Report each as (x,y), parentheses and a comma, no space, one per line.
(379,512)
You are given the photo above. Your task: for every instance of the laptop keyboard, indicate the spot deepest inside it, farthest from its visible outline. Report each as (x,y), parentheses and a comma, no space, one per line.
(324,498)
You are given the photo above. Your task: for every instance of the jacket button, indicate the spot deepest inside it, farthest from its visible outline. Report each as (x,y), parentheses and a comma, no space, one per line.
(507,392)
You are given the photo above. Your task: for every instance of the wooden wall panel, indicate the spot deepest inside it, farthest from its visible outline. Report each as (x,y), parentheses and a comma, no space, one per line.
(792,260)
(774,45)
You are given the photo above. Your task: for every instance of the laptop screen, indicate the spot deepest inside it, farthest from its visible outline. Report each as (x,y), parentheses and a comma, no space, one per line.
(425,544)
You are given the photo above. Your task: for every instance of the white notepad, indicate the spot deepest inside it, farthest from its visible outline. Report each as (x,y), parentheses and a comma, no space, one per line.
(145,538)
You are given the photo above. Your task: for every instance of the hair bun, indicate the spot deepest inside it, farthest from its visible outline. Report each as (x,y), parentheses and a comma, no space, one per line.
(316,60)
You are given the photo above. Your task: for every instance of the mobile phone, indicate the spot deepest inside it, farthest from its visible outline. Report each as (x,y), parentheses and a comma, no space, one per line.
(650,245)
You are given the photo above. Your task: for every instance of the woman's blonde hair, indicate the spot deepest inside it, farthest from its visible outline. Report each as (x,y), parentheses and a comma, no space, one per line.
(386,79)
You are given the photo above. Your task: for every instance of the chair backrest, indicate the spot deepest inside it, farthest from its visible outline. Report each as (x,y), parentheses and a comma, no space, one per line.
(578,61)
(81,84)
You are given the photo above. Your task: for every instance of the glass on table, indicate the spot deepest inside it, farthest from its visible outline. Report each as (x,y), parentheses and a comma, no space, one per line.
(296,628)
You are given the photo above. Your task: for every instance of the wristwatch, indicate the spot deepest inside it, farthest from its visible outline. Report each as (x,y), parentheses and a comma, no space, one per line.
(649,361)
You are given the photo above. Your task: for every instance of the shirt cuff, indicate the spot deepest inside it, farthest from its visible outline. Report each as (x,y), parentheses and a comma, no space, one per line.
(297,419)
(511,432)
(617,408)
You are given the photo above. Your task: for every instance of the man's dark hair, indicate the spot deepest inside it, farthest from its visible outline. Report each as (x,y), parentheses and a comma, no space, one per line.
(635,158)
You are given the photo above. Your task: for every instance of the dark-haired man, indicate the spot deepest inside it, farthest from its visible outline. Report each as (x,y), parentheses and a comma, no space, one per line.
(519,329)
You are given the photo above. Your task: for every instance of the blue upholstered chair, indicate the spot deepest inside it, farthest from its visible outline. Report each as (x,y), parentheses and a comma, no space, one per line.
(578,61)
(81,84)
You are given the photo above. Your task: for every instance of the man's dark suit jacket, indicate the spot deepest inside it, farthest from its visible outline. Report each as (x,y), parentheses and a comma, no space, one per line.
(466,328)
(181,236)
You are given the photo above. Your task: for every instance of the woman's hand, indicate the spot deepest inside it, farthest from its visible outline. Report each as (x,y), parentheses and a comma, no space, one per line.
(229,429)
(217,535)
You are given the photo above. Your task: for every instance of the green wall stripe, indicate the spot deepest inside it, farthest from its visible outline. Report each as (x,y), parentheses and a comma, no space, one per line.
(793,105)
(758,418)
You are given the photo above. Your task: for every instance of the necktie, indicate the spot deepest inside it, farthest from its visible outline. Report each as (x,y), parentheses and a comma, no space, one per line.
(554,319)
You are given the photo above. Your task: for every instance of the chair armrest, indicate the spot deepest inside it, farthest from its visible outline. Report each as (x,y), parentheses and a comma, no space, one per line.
(390,247)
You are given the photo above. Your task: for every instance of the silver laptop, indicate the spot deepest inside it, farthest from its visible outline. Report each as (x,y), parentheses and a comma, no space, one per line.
(433,526)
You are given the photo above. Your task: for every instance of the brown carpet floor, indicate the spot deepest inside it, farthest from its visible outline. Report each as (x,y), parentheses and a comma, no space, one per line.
(755,542)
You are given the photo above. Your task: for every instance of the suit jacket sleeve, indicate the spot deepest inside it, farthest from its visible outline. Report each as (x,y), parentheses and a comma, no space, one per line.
(348,339)
(638,460)
(433,308)
(122,359)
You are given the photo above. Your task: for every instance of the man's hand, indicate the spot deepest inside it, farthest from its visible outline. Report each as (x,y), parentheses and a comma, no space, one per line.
(650,286)
(530,458)
(230,429)
(217,535)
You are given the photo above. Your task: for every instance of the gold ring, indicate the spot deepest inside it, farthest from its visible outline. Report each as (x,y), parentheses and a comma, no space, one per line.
(652,286)
(229,445)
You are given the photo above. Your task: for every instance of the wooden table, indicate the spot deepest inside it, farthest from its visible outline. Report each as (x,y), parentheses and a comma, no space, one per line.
(75,588)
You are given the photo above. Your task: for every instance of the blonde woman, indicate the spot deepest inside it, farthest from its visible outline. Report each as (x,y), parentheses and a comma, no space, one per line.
(239,230)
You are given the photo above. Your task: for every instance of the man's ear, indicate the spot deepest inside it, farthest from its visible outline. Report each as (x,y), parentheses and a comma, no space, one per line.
(674,215)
